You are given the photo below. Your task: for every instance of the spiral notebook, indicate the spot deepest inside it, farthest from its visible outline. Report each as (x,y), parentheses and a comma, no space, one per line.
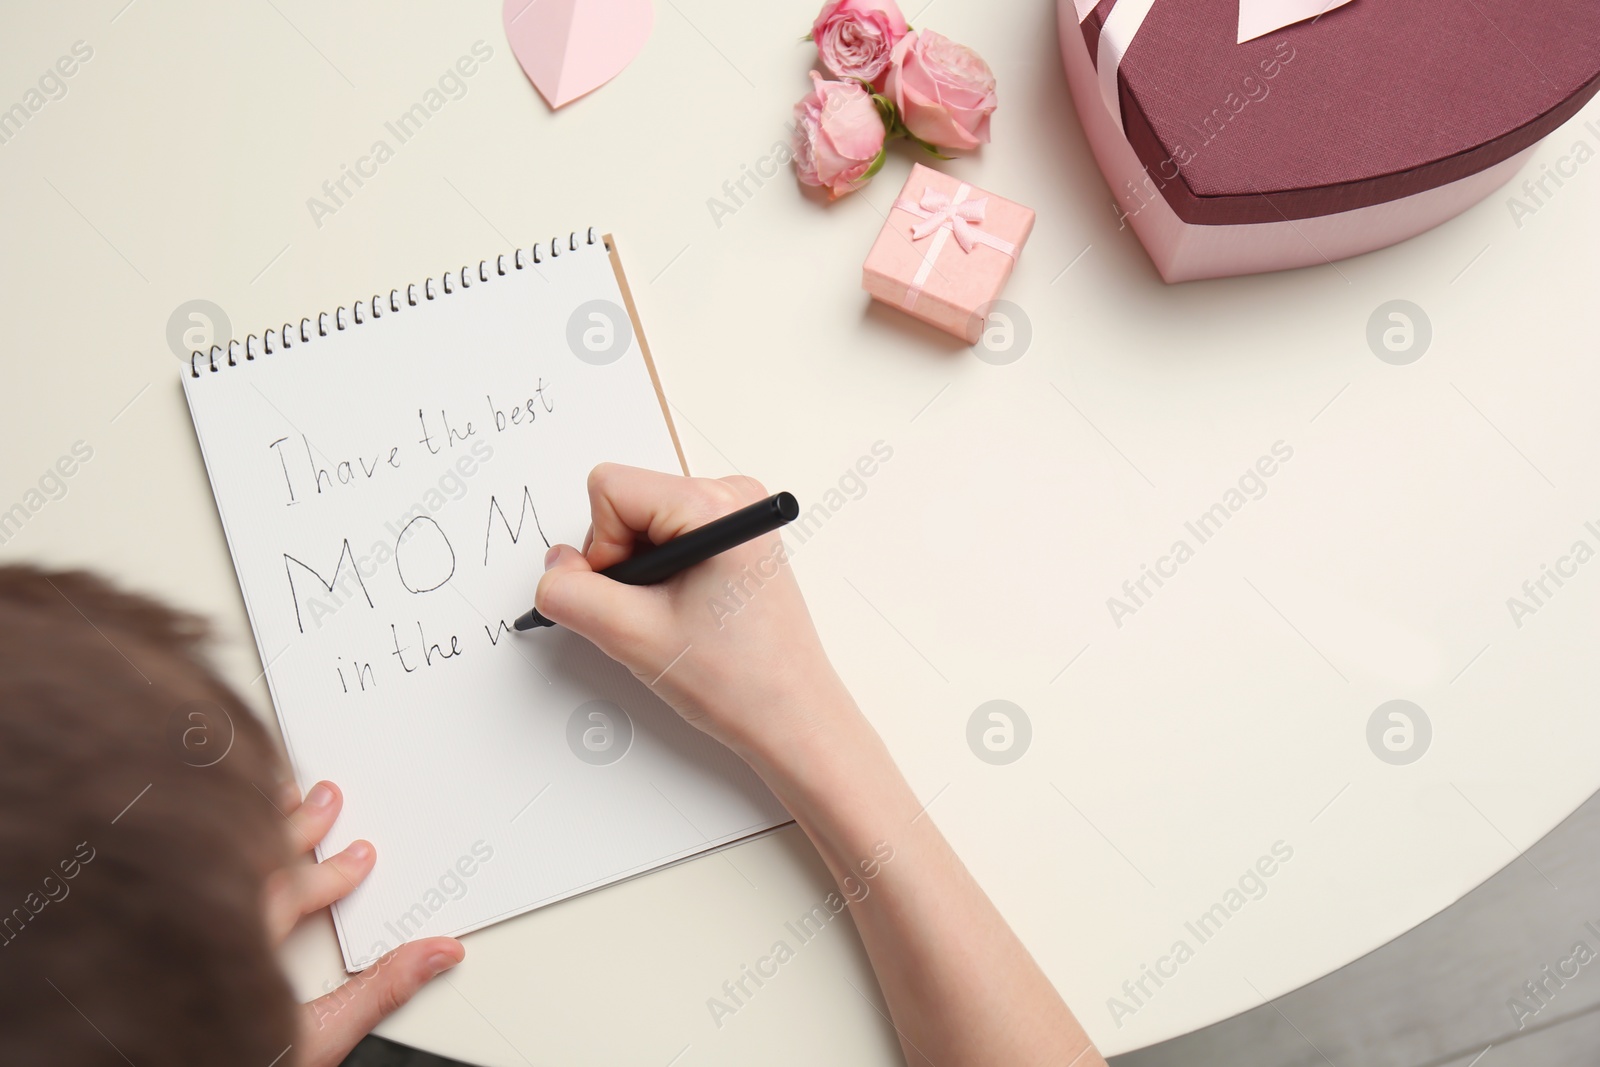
(389,477)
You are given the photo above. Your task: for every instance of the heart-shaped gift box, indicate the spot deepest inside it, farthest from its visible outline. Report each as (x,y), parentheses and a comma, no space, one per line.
(1251,135)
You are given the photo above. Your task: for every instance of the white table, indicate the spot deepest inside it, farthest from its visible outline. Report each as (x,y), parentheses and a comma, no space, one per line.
(1230,712)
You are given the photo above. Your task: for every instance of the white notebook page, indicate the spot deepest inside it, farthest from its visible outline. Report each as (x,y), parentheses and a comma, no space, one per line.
(494,772)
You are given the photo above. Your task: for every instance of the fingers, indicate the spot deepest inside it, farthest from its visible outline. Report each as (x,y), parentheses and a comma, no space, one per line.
(331,1025)
(298,891)
(310,822)
(629,505)
(617,618)
(747,487)
(629,502)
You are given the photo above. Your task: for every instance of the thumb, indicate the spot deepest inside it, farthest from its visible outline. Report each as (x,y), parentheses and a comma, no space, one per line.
(617,618)
(332,1024)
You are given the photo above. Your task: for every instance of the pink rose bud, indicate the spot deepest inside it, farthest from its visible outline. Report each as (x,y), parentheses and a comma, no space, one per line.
(838,136)
(945,91)
(855,37)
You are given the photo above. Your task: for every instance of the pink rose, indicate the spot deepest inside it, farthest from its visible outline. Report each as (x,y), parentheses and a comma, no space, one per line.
(838,136)
(855,37)
(945,91)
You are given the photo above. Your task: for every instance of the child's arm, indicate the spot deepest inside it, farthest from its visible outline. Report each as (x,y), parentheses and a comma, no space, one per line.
(730,645)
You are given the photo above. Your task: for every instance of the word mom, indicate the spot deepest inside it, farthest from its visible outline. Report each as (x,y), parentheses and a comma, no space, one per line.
(423,560)
(423,556)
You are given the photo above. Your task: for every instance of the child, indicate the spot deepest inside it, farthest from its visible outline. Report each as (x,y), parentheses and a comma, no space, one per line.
(145,851)
(157,947)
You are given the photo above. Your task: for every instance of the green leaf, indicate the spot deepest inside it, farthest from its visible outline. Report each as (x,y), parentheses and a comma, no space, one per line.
(928,147)
(877,165)
(890,116)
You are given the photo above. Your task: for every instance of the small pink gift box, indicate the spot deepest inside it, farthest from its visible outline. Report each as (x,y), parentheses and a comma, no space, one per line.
(945,252)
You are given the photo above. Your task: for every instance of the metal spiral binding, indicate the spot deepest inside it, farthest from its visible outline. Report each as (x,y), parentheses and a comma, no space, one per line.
(273,340)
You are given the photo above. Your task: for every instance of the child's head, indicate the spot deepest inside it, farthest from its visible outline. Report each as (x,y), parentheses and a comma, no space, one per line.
(137,823)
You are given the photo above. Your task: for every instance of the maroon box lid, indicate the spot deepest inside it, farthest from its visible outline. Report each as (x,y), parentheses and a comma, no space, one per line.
(1368,103)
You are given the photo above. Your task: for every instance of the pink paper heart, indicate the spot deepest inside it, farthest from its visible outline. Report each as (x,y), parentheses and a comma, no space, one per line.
(571,47)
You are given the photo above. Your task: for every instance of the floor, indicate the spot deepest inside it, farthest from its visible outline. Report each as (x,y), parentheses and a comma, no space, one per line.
(376,1052)
(1446,994)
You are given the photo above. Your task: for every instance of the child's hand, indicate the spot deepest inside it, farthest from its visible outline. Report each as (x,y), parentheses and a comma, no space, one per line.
(331,1025)
(728,643)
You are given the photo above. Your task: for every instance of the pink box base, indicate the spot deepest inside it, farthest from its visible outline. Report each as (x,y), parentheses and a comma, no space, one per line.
(960,286)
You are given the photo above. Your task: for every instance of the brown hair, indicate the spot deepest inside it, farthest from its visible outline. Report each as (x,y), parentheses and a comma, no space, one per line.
(137,823)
